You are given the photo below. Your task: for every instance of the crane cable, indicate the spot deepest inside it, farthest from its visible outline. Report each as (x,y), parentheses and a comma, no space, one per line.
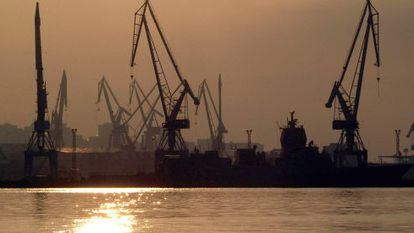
(196,125)
(378,80)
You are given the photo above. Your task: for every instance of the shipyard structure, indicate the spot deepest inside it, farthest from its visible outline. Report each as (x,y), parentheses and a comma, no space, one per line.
(143,145)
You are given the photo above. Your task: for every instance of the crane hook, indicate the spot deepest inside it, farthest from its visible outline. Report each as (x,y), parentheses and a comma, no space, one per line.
(378,82)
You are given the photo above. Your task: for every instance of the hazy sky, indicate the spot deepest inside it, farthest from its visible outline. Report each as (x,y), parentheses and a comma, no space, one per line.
(275,56)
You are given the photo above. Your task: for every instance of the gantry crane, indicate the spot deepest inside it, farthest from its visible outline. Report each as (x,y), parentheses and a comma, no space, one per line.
(216,132)
(152,128)
(57,113)
(350,142)
(40,143)
(119,137)
(171,141)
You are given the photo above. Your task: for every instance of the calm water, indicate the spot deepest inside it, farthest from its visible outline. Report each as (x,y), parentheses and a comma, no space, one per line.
(206,210)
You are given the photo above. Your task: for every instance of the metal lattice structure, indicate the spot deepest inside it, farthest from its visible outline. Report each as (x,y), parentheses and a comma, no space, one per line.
(149,116)
(347,99)
(172,100)
(40,143)
(119,137)
(214,116)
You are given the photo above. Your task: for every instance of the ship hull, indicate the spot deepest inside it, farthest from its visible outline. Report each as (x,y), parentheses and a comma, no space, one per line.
(212,171)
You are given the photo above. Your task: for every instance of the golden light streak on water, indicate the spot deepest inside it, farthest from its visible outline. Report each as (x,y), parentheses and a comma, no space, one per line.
(205,210)
(89,190)
(114,215)
(110,224)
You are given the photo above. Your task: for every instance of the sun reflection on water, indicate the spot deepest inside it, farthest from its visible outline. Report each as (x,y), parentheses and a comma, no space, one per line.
(114,223)
(118,212)
(90,190)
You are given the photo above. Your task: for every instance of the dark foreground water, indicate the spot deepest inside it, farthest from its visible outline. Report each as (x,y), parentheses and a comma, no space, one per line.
(206,210)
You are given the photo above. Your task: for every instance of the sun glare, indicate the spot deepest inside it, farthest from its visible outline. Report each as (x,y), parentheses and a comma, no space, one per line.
(109,217)
(113,224)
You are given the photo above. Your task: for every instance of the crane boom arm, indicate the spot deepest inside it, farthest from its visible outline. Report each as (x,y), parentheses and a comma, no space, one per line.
(164,41)
(375,32)
(102,89)
(146,118)
(154,59)
(209,120)
(361,69)
(137,31)
(105,89)
(63,96)
(134,91)
(372,26)
(170,55)
(347,61)
(212,101)
(140,106)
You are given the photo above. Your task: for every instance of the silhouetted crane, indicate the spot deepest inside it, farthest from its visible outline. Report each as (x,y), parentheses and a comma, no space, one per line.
(350,142)
(119,137)
(57,113)
(216,132)
(40,144)
(152,129)
(171,141)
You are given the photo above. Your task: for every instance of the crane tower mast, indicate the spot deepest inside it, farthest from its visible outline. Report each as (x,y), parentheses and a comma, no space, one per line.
(40,143)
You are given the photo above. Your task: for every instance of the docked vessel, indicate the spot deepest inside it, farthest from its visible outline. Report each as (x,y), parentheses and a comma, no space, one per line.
(300,163)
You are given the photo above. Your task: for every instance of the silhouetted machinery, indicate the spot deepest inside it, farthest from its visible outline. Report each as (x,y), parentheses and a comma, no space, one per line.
(173,102)
(216,129)
(350,151)
(40,144)
(119,137)
(57,113)
(151,135)
(123,135)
